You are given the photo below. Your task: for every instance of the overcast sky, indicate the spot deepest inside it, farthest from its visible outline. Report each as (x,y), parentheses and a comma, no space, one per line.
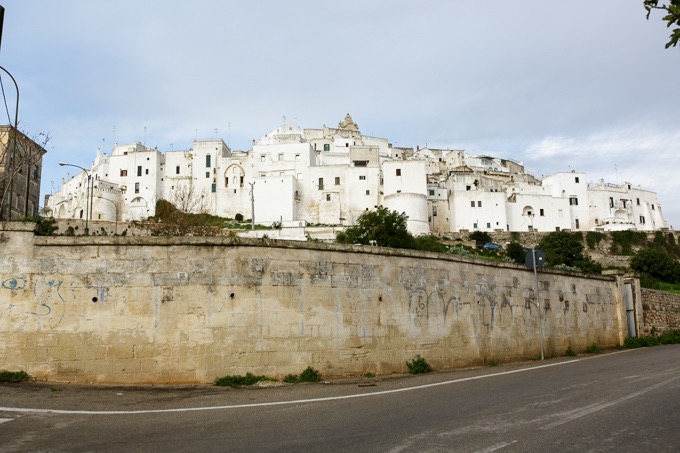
(581,85)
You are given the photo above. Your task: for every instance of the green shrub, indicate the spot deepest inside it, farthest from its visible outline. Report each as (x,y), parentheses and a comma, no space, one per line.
(480,237)
(237,380)
(593,238)
(310,375)
(291,379)
(569,352)
(13,376)
(516,252)
(418,365)
(593,349)
(623,241)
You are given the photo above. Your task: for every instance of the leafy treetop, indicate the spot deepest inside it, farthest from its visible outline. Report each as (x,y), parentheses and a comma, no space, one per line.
(672,17)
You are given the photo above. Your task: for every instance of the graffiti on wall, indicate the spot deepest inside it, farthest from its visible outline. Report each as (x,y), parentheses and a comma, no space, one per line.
(47,303)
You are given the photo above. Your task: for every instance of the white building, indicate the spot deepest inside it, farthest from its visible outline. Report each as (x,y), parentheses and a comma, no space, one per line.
(331,176)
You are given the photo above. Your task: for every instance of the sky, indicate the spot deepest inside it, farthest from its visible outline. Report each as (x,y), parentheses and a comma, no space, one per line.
(572,85)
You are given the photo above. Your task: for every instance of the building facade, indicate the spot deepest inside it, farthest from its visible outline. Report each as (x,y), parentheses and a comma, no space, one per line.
(330,176)
(20,172)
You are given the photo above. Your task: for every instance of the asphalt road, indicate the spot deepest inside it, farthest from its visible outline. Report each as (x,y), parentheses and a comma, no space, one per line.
(621,401)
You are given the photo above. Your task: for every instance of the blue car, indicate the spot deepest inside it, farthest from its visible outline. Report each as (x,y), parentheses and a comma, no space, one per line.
(492,246)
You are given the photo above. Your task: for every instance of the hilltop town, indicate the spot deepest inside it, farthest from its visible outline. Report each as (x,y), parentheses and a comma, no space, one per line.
(330,176)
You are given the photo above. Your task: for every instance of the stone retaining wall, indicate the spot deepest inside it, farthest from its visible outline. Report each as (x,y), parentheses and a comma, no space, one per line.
(189,309)
(661,311)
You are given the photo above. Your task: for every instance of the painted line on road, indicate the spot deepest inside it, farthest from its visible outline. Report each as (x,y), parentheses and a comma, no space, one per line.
(3,420)
(598,407)
(496,447)
(292,402)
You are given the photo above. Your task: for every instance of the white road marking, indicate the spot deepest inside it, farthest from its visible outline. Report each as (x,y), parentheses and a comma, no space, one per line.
(573,415)
(3,420)
(496,447)
(292,402)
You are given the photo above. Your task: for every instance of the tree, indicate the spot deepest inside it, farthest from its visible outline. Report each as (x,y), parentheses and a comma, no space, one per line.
(516,252)
(672,17)
(380,227)
(188,199)
(657,265)
(564,247)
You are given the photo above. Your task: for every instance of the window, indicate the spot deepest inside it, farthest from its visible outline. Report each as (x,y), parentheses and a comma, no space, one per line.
(653,208)
(431,192)
(136,187)
(146,172)
(320,183)
(488,224)
(472,204)
(123,172)
(226,181)
(479,204)
(611,202)
(262,158)
(577,224)
(638,201)
(573,201)
(362,177)
(207,160)
(241,182)
(213,189)
(474,226)
(346,145)
(207,174)
(368,192)
(139,170)
(624,202)
(434,211)
(337,180)
(326,147)
(468,187)
(576,180)
(642,219)
(541,212)
(328,197)
(280,156)
(398,171)
(177,170)
(297,157)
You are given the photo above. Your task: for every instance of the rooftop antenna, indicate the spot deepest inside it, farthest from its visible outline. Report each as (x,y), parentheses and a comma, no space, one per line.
(144,142)
(229,134)
(616,171)
(284,119)
(195,134)
(114,135)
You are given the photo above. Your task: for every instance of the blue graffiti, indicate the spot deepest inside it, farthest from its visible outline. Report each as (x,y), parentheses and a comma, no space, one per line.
(14,284)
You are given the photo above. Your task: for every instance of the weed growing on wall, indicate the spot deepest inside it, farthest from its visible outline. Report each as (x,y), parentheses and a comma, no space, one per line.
(569,352)
(238,381)
(418,365)
(593,349)
(308,375)
(670,337)
(13,376)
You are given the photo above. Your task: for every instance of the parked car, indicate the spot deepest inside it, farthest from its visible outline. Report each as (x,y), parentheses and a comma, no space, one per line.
(492,246)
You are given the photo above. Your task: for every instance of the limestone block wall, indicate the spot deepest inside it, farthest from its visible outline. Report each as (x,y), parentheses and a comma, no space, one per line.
(189,309)
(661,311)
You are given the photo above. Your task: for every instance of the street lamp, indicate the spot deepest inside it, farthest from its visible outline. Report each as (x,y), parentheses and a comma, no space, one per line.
(88,198)
(12,156)
(115,220)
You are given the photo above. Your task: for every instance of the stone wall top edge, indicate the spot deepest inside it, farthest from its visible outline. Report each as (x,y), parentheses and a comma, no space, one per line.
(209,241)
(18,226)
